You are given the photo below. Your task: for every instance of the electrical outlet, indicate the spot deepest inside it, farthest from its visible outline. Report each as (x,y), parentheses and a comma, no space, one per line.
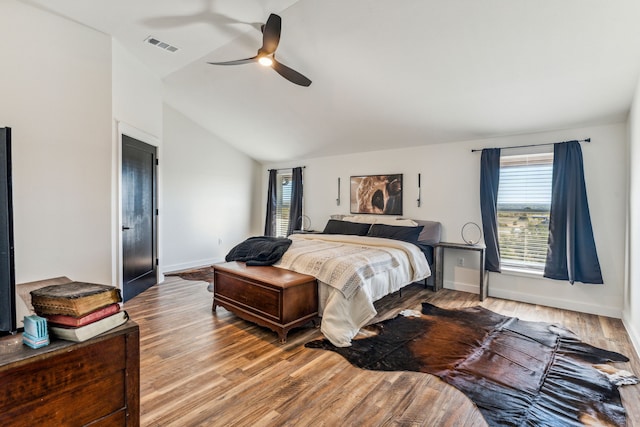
(460,262)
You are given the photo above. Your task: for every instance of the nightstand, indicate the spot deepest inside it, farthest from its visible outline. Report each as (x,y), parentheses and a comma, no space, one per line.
(439,262)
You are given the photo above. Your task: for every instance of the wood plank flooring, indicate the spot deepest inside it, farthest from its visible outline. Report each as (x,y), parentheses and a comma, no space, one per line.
(199,368)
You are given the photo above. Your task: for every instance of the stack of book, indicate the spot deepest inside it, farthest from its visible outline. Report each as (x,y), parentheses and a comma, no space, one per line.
(78,311)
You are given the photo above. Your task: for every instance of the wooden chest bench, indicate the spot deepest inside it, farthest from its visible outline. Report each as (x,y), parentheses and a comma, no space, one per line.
(273,297)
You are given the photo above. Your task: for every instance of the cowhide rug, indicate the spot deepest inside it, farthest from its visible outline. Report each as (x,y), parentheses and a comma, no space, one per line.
(204,274)
(517,372)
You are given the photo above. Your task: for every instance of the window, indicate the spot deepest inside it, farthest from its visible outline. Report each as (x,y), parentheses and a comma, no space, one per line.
(524,201)
(283,203)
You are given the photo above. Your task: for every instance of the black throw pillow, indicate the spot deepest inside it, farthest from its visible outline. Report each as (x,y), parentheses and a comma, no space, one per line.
(396,232)
(335,226)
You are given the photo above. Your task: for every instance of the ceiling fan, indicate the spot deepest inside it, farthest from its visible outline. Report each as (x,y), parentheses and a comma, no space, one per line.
(267,53)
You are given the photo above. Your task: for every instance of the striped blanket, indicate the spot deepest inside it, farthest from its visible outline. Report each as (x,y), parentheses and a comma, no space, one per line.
(343,263)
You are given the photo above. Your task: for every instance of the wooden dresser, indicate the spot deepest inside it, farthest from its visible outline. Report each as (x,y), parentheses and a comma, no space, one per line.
(269,296)
(96,382)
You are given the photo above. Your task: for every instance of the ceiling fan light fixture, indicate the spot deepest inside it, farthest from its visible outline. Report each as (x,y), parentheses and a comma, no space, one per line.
(265,61)
(266,53)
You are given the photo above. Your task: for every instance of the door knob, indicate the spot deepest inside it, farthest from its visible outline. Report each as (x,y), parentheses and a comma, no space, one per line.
(125,228)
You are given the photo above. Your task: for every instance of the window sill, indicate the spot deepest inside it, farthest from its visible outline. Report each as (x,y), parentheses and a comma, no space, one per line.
(523,272)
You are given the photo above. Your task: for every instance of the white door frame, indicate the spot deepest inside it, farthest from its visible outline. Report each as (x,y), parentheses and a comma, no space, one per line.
(122,128)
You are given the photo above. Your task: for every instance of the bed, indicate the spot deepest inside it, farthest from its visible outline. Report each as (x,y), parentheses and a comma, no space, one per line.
(358,260)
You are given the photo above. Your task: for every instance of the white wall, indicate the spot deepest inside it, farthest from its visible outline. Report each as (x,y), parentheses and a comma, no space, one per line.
(606,179)
(450,194)
(137,111)
(631,315)
(208,194)
(137,93)
(66,105)
(61,103)
(56,95)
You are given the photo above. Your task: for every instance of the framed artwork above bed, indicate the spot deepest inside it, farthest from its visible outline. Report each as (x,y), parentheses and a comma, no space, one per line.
(376,194)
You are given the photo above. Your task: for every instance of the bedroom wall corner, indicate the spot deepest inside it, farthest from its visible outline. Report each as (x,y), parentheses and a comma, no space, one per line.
(450,194)
(631,310)
(258,204)
(56,96)
(209,192)
(137,109)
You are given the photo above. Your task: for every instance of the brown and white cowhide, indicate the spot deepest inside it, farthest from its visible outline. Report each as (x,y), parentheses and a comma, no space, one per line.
(204,274)
(517,372)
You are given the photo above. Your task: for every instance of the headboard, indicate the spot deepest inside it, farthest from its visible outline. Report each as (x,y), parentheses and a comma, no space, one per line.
(431,232)
(430,235)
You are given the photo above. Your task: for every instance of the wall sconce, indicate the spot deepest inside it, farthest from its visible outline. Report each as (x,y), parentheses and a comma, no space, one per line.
(419,192)
(338,199)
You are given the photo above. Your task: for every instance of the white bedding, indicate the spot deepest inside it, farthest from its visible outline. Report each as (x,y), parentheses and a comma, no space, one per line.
(345,308)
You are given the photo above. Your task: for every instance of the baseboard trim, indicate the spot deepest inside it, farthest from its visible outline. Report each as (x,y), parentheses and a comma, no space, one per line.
(462,287)
(188,265)
(557,303)
(537,299)
(634,334)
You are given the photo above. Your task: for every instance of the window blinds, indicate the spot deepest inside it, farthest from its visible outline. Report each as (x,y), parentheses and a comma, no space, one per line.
(283,203)
(524,201)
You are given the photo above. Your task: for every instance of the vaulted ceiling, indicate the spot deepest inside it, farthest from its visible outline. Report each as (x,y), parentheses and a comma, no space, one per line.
(385,74)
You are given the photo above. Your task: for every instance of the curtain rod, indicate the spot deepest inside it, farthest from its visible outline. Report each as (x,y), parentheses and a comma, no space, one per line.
(284,169)
(535,145)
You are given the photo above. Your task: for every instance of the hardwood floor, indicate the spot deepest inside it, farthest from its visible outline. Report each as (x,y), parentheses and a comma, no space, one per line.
(199,368)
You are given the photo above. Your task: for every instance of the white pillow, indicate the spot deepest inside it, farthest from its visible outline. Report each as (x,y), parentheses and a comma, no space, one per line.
(358,218)
(378,219)
(403,222)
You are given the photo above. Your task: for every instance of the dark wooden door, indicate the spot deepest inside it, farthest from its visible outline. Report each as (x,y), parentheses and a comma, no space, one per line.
(139,217)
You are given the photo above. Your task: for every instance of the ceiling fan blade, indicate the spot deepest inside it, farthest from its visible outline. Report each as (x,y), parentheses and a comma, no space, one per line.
(236,62)
(290,74)
(271,34)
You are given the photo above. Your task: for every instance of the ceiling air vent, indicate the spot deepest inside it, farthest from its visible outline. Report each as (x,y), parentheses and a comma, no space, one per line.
(162,45)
